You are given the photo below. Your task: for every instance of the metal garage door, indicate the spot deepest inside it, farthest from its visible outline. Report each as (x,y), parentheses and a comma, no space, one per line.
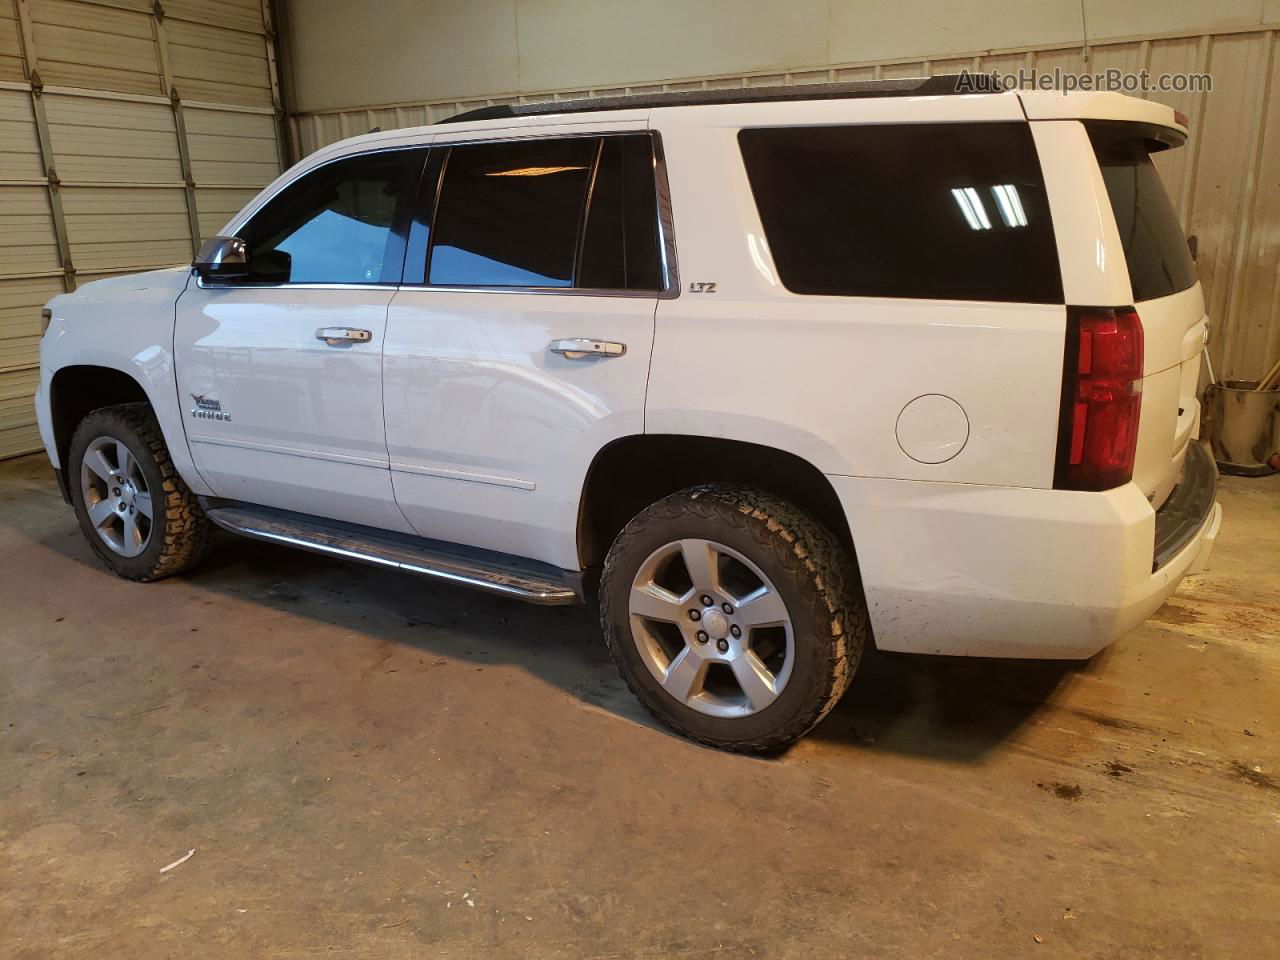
(129,130)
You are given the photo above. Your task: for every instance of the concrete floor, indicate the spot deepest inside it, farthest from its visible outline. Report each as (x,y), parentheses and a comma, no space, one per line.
(368,765)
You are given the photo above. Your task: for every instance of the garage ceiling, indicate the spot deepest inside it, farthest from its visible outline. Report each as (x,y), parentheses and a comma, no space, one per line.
(129,130)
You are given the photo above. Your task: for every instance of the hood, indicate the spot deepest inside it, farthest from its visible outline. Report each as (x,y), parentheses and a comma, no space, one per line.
(167,280)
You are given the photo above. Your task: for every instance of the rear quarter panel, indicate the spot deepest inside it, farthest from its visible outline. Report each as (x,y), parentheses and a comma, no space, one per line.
(826,378)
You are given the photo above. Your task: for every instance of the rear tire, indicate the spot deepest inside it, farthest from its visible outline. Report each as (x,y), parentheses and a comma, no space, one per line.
(138,515)
(758,677)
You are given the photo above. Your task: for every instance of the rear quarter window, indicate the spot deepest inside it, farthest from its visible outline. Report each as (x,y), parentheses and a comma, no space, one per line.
(1155,249)
(927,211)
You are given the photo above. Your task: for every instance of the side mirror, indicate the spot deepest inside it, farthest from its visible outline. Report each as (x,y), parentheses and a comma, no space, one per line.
(272,266)
(222,258)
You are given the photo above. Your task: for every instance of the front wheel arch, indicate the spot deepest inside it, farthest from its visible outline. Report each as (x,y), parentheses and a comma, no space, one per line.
(178,534)
(76,391)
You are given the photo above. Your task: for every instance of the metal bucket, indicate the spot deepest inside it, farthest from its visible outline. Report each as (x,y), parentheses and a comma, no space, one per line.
(1244,427)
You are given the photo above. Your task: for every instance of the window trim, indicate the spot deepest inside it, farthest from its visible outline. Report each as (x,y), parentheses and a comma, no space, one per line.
(422,219)
(667,260)
(587,199)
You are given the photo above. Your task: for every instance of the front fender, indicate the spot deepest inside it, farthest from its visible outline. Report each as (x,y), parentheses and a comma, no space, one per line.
(124,324)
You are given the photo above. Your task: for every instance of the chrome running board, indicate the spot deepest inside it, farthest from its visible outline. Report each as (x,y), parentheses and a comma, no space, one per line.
(485,570)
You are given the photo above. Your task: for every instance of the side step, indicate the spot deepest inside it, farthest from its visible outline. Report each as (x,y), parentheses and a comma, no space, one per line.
(482,569)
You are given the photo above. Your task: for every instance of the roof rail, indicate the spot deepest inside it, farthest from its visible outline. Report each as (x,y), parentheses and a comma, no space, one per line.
(939,86)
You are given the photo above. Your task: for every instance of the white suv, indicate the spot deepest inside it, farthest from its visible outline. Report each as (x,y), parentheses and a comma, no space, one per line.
(774,372)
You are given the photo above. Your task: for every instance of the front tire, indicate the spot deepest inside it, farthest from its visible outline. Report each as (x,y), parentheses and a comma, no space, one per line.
(733,616)
(138,515)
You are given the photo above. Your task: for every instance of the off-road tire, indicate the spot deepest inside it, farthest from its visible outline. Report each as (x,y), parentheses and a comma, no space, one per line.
(811,569)
(181,534)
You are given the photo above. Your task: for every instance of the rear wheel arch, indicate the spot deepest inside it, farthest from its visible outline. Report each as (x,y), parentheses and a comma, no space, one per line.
(633,472)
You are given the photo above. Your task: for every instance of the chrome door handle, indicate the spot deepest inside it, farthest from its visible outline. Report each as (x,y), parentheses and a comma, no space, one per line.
(581,347)
(336,335)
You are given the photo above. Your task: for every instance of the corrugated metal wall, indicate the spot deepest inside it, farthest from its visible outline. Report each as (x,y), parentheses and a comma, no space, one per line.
(1226,182)
(128,130)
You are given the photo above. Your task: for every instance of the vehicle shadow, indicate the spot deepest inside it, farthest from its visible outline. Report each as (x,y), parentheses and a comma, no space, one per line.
(956,709)
(947,708)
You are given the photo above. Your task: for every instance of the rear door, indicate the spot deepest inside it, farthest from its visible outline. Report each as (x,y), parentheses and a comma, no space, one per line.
(281,373)
(1166,294)
(519,345)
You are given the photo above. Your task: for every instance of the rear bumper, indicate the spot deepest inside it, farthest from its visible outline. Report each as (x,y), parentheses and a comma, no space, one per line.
(1188,506)
(967,570)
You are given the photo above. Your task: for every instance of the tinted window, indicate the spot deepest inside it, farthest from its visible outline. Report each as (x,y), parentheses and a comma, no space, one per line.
(620,241)
(1154,246)
(334,225)
(933,211)
(509,213)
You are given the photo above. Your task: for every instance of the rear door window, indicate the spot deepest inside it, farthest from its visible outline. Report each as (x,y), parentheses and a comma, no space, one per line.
(928,211)
(576,212)
(509,213)
(1155,248)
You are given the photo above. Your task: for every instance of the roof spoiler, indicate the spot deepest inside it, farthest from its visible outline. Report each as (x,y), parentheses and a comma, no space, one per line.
(1154,135)
(1161,125)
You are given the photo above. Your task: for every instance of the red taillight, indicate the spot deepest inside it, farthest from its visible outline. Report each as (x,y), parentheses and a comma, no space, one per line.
(1101,398)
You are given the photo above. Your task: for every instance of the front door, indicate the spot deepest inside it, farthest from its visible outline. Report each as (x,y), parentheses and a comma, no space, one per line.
(519,345)
(280,375)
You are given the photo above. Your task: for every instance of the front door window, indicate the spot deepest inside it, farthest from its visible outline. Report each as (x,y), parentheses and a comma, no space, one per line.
(336,224)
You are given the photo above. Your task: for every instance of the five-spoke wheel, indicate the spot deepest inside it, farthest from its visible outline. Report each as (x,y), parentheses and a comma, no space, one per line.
(733,615)
(116,496)
(138,515)
(711,628)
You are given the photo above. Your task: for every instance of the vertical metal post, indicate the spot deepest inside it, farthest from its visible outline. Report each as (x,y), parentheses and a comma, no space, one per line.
(32,64)
(170,90)
(284,140)
(1246,359)
(188,176)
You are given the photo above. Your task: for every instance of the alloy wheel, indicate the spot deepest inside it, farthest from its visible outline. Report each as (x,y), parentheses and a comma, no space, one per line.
(711,628)
(116,496)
